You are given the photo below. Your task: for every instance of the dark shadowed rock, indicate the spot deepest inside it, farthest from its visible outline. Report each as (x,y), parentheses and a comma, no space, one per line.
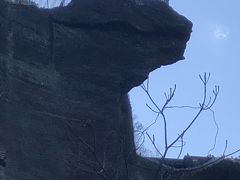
(64,76)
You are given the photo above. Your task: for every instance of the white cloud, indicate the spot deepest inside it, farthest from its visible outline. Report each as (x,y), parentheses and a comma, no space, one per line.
(220,32)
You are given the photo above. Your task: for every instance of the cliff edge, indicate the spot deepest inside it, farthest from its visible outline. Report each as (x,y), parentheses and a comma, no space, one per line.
(64,76)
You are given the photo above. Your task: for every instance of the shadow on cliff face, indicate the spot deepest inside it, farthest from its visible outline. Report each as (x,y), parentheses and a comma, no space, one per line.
(132,40)
(65,73)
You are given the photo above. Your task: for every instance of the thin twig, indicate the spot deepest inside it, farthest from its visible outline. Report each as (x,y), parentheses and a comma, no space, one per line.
(181,148)
(216,134)
(154,145)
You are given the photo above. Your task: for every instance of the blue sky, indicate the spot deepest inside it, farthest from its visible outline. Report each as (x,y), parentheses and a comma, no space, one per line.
(214,48)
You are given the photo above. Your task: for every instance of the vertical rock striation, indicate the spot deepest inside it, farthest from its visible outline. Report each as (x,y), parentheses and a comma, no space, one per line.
(64,78)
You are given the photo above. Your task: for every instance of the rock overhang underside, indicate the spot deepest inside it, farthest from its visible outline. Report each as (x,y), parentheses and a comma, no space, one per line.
(116,39)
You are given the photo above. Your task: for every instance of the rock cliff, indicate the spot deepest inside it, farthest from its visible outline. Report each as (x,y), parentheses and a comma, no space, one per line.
(64,78)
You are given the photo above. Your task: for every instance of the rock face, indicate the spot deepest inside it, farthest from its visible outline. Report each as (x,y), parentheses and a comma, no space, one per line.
(64,78)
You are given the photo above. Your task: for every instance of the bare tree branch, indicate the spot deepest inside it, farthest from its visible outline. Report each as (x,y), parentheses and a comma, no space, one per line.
(205,105)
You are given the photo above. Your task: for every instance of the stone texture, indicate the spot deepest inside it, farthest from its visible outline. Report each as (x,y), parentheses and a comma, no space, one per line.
(64,78)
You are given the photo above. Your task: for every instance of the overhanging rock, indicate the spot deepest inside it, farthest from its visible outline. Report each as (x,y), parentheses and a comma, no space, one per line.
(64,75)
(137,39)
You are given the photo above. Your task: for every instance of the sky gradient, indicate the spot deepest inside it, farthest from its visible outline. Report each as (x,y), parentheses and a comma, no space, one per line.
(214,48)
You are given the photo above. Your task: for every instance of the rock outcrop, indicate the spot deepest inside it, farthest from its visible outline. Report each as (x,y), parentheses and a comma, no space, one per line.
(64,78)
